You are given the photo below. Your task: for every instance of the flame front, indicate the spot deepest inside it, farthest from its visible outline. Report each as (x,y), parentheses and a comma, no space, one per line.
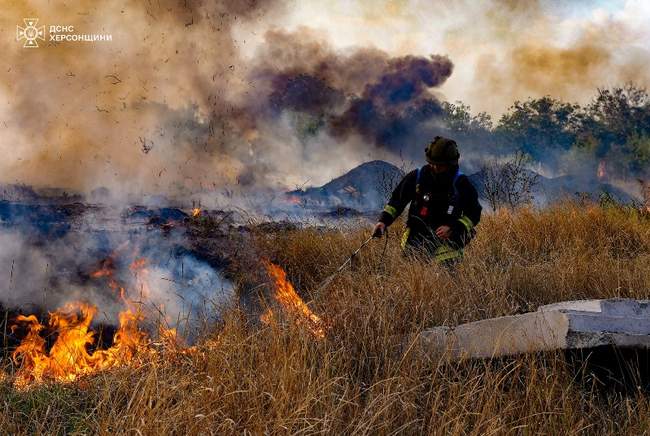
(69,358)
(289,299)
(196,212)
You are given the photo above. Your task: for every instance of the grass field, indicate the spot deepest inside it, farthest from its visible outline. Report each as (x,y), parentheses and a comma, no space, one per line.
(276,378)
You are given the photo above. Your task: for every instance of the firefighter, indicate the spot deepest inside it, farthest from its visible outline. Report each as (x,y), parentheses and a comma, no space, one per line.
(444,207)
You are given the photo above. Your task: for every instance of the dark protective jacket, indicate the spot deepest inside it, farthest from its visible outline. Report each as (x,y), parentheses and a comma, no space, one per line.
(435,200)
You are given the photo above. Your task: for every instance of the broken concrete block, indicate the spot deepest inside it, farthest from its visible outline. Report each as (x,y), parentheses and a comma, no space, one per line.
(561,326)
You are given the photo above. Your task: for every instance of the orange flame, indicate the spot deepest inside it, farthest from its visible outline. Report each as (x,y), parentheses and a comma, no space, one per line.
(69,358)
(196,212)
(602,170)
(293,199)
(290,301)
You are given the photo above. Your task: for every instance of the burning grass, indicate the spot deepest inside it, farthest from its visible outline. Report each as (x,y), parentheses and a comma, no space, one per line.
(68,358)
(278,378)
(290,301)
(69,328)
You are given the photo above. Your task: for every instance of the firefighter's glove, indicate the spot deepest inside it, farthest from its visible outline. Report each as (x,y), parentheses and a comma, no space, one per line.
(444,232)
(380,229)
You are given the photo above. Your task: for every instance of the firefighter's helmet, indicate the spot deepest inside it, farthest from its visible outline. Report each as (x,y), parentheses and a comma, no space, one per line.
(442,151)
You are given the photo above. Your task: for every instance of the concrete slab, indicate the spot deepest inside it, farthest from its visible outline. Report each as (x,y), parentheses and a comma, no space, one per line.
(566,325)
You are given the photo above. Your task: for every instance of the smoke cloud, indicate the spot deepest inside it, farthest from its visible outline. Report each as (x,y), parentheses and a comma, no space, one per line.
(171,286)
(503,50)
(153,108)
(197,96)
(540,49)
(364,93)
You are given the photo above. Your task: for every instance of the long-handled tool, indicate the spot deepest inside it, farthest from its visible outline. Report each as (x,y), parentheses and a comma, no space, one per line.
(347,261)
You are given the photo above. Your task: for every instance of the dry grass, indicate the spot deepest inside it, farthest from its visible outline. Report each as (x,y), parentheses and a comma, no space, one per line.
(278,379)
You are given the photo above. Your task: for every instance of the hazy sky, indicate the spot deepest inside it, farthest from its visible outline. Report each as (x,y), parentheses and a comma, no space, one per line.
(502,50)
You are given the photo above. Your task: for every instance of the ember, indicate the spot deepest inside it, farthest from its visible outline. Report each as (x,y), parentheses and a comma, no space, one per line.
(293,199)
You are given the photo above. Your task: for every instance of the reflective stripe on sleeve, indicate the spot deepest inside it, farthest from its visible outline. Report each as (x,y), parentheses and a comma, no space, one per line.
(390,210)
(466,222)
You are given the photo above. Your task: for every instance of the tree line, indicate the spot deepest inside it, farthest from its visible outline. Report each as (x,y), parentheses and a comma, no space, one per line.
(613,127)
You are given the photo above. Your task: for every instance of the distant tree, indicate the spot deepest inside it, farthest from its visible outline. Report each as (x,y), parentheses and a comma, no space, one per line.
(640,155)
(616,126)
(620,113)
(459,119)
(508,183)
(540,127)
(612,131)
(473,132)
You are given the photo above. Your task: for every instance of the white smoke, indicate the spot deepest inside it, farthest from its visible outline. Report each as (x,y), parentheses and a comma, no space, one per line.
(175,289)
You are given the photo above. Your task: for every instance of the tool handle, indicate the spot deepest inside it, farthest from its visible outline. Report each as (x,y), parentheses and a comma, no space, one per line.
(340,268)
